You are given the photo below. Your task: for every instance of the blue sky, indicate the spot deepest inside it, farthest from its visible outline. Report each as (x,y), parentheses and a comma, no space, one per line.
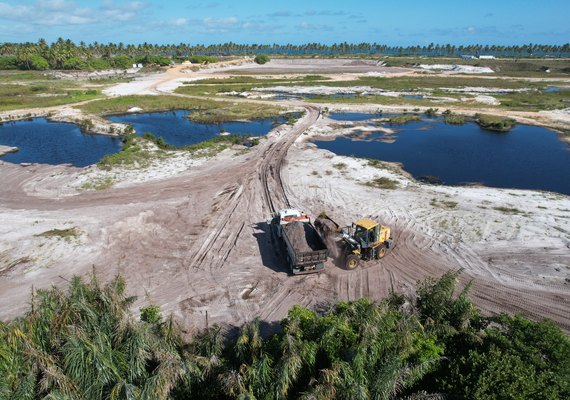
(292,21)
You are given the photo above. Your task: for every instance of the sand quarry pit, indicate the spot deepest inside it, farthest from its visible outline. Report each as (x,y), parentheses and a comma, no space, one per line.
(195,242)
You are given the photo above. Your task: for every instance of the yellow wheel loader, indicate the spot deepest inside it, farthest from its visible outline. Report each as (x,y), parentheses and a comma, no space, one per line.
(365,239)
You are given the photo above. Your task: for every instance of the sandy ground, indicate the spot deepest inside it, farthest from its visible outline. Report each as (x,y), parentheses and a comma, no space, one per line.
(189,235)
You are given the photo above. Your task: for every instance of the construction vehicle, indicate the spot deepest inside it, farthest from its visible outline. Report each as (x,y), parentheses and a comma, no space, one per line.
(304,248)
(365,239)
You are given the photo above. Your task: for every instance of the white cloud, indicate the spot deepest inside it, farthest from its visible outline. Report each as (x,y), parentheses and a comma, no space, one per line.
(181,21)
(62,12)
(220,22)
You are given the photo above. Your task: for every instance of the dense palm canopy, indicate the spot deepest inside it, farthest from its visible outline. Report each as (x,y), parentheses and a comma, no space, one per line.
(86,344)
(65,54)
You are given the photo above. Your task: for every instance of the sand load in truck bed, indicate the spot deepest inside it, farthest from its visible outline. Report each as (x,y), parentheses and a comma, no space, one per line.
(303,237)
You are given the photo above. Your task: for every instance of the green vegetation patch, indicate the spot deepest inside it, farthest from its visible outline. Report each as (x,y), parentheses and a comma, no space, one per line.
(99,183)
(67,234)
(535,100)
(383,183)
(261,59)
(453,119)
(135,154)
(495,123)
(42,94)
(508,210)
(223,112)
(433,341)
(402,119)
(205,111)
(443,203)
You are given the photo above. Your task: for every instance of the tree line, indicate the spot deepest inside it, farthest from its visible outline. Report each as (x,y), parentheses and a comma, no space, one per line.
(65,54)
(84,343)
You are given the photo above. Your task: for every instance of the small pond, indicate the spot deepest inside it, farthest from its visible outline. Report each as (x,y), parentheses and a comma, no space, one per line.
(41,141)
(176,129)
(551,89)
(527,157)
(353,116)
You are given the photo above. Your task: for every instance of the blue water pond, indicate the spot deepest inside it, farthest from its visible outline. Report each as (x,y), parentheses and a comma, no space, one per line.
(41,141)
(527,157)
(177,130)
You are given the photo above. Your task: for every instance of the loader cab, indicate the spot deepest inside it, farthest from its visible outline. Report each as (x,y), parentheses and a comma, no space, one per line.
(366,232)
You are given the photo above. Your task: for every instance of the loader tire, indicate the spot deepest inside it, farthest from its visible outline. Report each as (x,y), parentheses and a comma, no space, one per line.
(381,252)
(351,261)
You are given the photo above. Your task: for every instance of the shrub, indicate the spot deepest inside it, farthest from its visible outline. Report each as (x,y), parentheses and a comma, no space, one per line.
(98,64)
(453,119)
(155,60)
(38,63)
(261,58)
(432,112)
(202,59)
(151,314)
(123,62)
(75,63)
(8,62)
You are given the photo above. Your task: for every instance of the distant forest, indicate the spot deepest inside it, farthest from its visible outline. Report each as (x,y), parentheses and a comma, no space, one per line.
(65,54)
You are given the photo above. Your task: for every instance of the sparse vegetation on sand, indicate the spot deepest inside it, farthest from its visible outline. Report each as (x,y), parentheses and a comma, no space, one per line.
(383,183)
(137,153)
(443,203)
(508,210)
(67,233)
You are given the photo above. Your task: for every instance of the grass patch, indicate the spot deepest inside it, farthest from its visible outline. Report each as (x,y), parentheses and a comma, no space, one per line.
(120,105)
(340,166)
(135,154)
(210,148)
(383,183)
(99,183)
(235,112)
(535,100)
(14,97)
(402,119)
(66,234)
(33,89)
(206,111)
(454,119)
(443,203)
(494,123)
(508,210)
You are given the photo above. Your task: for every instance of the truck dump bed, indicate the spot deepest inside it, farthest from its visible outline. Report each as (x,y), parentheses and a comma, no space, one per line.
(307,251)
(303,237)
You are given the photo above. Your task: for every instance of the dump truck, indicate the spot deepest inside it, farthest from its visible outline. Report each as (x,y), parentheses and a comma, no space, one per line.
(365,239)
(305,250)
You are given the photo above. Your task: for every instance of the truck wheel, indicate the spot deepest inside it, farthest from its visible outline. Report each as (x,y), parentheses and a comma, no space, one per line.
(381,252)
(351,261)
